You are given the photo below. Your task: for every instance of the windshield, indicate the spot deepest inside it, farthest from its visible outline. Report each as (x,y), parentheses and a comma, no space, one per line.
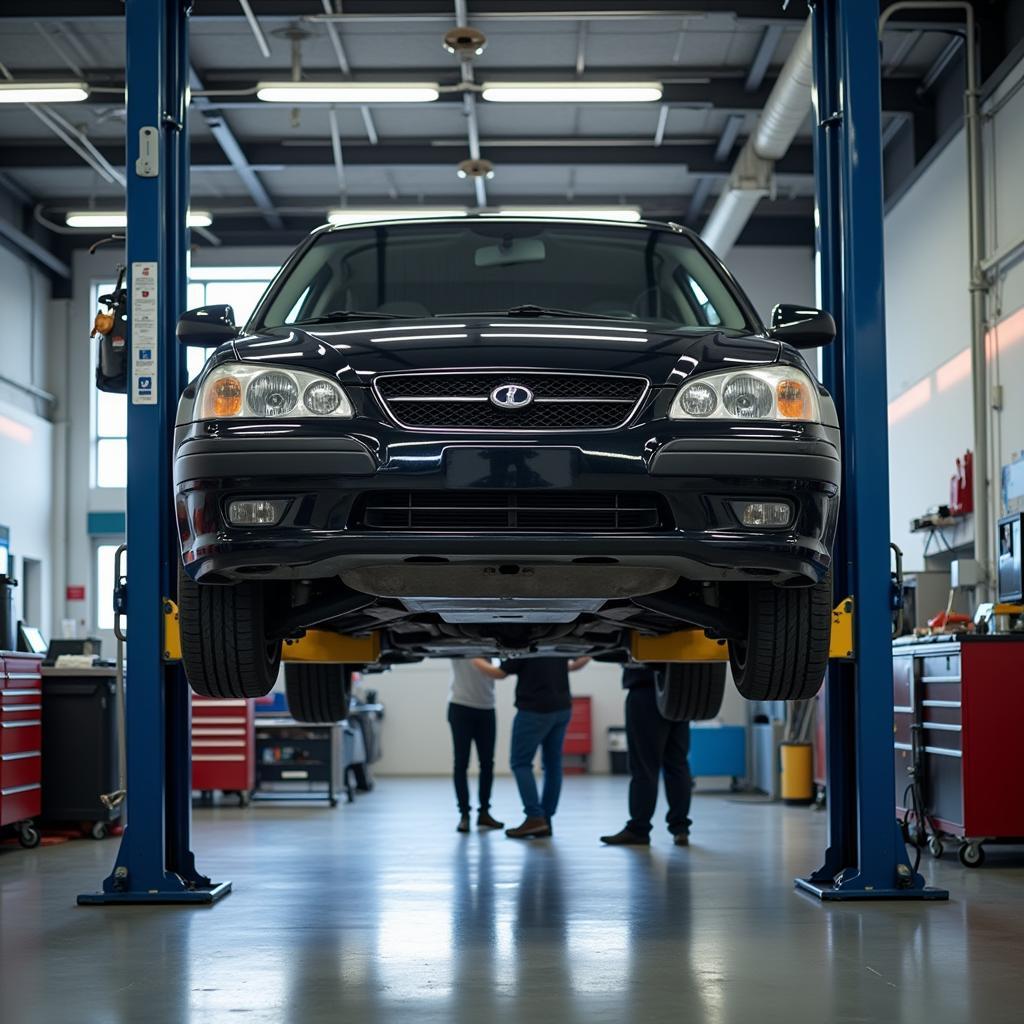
(488,266)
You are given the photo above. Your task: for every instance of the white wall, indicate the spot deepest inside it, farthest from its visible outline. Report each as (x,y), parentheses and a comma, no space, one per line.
(416,736)
(26,435)
(772,274)
(928,320)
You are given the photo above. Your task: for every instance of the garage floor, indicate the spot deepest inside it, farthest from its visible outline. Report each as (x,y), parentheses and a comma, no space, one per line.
(379,912)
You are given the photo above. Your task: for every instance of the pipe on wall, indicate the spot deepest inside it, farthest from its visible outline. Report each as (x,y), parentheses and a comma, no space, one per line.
(978,282)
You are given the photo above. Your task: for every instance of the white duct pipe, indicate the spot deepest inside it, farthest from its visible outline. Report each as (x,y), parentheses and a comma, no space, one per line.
(784,112)
(789,101)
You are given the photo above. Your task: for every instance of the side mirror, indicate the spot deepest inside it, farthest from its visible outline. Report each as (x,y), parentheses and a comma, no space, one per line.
(802,327)
(207,326)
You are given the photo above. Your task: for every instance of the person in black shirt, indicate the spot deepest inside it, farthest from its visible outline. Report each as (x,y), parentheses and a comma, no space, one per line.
(544,707)
(656,747)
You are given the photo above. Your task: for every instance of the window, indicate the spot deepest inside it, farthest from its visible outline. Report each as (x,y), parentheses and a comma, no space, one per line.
(105,585)
(240,287)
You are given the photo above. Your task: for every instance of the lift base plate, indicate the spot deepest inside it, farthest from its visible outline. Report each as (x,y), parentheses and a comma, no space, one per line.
(204,896)
(828,893)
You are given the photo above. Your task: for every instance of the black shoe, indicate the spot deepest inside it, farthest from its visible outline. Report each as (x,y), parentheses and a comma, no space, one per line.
(626,838)
(463,825)
(681,839)
(486,820)
(532,828)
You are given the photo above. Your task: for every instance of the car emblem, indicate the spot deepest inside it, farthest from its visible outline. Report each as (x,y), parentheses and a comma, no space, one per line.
(511,396)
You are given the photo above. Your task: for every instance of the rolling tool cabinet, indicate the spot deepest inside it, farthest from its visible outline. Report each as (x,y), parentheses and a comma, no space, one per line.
(578,744)
(958,702)
(223,747)
(21,732)
(80,747)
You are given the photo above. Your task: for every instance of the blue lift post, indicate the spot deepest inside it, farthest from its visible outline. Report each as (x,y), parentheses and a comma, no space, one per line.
(155,863)
(866,857)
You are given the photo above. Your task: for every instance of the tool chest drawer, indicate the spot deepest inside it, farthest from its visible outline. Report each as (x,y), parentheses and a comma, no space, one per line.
(223,745)
(21,717)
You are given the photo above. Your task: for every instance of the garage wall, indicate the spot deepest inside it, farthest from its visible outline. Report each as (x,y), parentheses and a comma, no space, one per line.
(928,318)
(416,736)
(26,433)
(772,274)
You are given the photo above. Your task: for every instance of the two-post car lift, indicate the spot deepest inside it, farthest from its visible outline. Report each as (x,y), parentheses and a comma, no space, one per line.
(866,857)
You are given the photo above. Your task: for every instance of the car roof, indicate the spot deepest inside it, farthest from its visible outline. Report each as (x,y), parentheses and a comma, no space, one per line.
(505,218)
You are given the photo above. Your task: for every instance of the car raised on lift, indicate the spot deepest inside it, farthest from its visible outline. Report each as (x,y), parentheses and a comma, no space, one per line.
(486,435)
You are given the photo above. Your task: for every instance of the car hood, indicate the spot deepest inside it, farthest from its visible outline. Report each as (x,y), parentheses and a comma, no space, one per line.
(356,351)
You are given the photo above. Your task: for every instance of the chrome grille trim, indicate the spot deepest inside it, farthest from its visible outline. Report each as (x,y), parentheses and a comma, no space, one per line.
(508,375)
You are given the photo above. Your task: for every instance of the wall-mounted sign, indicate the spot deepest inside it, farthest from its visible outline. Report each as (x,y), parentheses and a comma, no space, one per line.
(75,592)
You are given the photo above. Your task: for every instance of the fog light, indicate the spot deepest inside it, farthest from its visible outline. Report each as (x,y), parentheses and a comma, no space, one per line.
(763,513)
(259,512)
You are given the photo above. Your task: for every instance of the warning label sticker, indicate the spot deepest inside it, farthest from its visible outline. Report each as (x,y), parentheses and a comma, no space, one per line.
(143,304)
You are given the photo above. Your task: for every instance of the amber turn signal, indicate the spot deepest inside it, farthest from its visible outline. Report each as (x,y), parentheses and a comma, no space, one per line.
(225,398)
(792,400)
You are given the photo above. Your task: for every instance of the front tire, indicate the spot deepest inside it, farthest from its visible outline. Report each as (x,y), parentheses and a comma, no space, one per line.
(224,646)
(318,693)
(690,693)
(785,653)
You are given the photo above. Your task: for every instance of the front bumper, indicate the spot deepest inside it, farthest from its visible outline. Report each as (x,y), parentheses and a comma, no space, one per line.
(696,469)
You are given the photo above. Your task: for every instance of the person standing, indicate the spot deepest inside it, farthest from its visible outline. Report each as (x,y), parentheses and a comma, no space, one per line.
(656,747)
(472,720)
(544,707)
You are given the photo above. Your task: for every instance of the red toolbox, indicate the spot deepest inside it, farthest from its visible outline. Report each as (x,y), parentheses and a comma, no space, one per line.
(957,707)
(223,746)
(579,737)
(21,761)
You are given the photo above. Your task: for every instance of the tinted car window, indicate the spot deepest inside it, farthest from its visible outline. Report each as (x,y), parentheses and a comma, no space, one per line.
(425,269)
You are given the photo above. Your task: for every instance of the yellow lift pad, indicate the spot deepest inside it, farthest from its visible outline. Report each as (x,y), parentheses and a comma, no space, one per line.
(693,646)
(318,645)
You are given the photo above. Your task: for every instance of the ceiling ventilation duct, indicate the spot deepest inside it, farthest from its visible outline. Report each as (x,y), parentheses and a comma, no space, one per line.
(750,180)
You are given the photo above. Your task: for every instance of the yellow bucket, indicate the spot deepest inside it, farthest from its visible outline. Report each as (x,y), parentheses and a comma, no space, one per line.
(797,772)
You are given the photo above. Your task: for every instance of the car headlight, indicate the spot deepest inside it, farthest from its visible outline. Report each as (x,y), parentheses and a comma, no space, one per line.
(264,392)
(753,393)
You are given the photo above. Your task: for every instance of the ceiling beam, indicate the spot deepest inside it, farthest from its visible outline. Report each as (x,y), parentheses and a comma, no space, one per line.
(26,246)
(427,10)
(28,154)
(232,150)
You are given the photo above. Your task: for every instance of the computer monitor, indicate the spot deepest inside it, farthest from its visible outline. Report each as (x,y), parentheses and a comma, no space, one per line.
(30,639)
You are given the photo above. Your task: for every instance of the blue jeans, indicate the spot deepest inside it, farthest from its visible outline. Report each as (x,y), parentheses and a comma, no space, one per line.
(530,730)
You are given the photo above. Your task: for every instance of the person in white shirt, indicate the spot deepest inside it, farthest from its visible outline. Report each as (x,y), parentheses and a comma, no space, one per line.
(472,720)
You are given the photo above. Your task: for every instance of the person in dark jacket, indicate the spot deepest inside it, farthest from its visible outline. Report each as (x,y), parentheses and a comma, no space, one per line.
(656,747)
(544,707)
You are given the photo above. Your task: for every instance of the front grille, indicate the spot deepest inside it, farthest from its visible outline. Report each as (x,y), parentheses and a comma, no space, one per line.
(461,401)
(510,511)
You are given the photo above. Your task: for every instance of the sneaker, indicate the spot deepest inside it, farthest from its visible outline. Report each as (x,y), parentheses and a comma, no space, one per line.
(463,825)
(485,820)
(681,839)
(626,838)
(532,828)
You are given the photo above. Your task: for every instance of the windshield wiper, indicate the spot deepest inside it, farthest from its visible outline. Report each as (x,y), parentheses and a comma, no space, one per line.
(347,314)
(530,310)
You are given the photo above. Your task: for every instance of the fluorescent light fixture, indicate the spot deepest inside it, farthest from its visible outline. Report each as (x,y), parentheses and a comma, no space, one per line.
(119,219)
(572,92)
(365,215)
(298,93)
(43,92)
(630,214)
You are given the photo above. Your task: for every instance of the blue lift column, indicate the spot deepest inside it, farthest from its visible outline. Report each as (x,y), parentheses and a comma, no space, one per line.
(155,863)
(866,856)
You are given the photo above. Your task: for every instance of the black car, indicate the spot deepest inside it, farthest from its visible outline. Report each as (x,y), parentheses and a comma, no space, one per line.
(485,435)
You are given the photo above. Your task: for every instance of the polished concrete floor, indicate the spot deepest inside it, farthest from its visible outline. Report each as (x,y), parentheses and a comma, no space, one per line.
(379,912)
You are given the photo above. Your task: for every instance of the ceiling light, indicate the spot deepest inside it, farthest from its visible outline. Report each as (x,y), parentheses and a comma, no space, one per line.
(622,213)
(43,92)
(572,92)
(365,215)
(95,219)
(298,93)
